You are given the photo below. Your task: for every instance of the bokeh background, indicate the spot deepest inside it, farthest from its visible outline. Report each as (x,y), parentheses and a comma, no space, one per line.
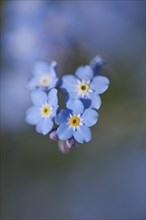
(103,179)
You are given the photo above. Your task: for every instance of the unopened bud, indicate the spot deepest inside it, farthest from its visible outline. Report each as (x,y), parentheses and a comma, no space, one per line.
(53,135)
(70,143)
(63,147)
(96,64)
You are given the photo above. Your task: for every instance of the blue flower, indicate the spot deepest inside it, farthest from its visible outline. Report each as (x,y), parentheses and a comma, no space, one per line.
(74,121)
(43,111)
(44,76)
(85,86)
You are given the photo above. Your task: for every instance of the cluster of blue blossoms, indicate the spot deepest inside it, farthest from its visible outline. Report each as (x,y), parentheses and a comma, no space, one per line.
(72,124)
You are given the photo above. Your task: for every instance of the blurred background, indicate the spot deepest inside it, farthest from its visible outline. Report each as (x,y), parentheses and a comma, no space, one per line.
(103,179)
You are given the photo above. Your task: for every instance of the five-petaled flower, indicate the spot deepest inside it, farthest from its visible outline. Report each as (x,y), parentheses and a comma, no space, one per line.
(74,121)
(43,111)
(44,76)
(85,86)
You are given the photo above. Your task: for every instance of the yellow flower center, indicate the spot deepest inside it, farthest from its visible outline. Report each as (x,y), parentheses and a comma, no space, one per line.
(74,121)
(44,81)
(83,87)
(46,110)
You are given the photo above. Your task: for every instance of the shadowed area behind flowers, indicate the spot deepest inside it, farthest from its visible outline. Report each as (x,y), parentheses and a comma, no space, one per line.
(105,178)
(106,175)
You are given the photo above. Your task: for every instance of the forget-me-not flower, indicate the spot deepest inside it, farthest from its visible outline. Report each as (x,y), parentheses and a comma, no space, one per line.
(85,86)
(44,76)
(43,111)
(74,121)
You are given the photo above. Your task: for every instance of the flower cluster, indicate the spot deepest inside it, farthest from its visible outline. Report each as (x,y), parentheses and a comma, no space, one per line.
(72,124)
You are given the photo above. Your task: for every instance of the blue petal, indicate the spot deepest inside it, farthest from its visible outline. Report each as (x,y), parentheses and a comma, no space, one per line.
(100,84)
(44,126)
(39,97)
(53,82)
(75,105)
(84,73)
(86,102)
(73,94)
(53,65)
(89,117)
(54,110)
(32,83)
(64,132)
(82,134)
(62,116)
(41,68)
(52,97)
(95,101)
(69,83)
(53,77)
(33,115)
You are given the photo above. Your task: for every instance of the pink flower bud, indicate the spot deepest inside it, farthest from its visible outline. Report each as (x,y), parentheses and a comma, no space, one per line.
(53,135)
(63,147)
(70,143)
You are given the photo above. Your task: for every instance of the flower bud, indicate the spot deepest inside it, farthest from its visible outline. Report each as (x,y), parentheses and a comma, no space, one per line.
(70,143)
(53,135)
(96,64)
(63,147)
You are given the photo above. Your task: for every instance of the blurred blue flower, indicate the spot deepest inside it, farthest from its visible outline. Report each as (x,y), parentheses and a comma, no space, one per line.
(74,121)
(23,38)
(44,76)
(85,86)
(97,64)
(43,111)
